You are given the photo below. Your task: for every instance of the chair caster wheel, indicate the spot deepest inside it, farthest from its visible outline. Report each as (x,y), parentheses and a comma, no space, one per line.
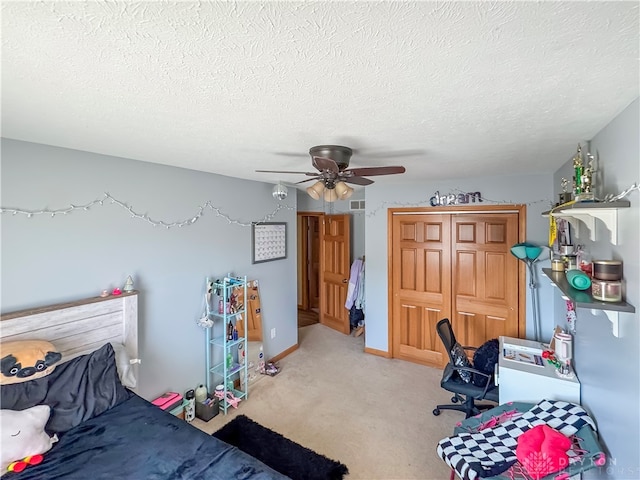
(455,399)
(436,411)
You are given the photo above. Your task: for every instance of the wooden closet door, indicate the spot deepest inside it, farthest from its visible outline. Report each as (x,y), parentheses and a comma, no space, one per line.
(485,277)
(421,283)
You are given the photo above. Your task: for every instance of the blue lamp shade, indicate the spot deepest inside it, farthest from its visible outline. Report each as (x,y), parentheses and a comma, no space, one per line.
(525,251)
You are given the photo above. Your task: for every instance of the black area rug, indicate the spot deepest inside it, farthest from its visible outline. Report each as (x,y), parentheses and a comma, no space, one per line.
(280,453)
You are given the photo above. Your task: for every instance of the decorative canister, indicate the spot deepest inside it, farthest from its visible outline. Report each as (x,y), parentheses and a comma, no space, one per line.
(566,249)
(570,262)
(606,290)
(607,269)
(557,265)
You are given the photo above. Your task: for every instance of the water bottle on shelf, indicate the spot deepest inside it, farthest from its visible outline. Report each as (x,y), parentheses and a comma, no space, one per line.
(201,393)
(190,407)
(229,360)
(229,331)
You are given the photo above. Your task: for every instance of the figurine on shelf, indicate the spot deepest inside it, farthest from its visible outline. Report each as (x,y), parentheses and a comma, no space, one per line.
(577,171)
(586,182)
(128,285)
(564,196)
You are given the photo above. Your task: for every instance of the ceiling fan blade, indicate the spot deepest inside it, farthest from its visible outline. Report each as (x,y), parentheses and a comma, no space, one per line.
(358,180)
(388,153)
(308,180)
(371,171)
(292,154)
(322,163)
(314,174)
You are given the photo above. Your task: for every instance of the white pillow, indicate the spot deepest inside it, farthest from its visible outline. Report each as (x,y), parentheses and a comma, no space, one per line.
(22,434)
(123,364)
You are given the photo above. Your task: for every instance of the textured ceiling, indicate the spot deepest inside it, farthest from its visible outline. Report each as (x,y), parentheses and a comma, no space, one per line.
(459,88)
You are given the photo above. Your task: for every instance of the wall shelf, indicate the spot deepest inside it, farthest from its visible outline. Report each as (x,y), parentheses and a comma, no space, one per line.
(587,212)
(583,298)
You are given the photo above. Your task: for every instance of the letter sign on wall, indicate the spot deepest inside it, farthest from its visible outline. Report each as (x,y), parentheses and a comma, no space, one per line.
(455,199)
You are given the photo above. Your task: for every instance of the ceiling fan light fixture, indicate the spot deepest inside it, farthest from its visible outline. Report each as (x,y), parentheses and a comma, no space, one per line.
(332,165)
(330,195)
(343,190)
(316,190)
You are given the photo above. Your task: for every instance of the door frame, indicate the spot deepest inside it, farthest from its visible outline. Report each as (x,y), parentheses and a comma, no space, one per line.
(303,270)
(521,210)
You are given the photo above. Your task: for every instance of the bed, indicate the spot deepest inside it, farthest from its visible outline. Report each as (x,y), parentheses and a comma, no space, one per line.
(104,429)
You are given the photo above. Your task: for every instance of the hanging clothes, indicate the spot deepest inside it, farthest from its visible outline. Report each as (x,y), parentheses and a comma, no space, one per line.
(355,296)
(355,291)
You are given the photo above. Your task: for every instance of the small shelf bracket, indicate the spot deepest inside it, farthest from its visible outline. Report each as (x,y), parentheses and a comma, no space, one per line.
(609,217)
(613,317)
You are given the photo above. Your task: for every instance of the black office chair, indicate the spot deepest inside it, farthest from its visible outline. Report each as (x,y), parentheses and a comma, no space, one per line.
(465,394)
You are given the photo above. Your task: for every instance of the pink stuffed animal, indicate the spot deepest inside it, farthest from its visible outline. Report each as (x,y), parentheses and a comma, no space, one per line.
(543,450)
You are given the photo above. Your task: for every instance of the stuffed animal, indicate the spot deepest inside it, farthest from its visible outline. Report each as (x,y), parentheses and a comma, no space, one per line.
(23,437)
(26,360)
(543,450)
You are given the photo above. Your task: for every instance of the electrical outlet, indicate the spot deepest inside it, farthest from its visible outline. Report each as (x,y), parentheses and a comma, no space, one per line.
(273,333)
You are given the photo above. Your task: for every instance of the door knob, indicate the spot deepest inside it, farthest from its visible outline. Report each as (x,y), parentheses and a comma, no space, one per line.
(344,280)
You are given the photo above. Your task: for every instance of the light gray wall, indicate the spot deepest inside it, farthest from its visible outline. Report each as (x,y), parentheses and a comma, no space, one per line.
(510,189)
(308,204)
(49,260)
(608,367)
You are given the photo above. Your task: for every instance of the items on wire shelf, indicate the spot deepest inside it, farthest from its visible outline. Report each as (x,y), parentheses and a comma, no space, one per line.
(226,343)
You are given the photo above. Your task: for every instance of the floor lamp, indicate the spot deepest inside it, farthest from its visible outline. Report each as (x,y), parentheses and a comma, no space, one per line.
(529,254)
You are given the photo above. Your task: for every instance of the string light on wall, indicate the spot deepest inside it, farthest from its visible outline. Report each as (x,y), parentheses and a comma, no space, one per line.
(622,194)
(209,206)
(143,216)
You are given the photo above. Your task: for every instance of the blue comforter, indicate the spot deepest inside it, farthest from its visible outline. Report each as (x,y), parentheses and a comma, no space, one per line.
(136,440)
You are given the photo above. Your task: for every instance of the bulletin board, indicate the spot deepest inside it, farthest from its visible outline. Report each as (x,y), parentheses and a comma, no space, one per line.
(268,241)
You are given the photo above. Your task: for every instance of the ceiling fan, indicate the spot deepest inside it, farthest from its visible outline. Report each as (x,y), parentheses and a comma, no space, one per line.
(332,162)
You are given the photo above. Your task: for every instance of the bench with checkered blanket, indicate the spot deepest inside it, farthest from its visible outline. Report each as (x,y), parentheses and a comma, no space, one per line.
(493,450)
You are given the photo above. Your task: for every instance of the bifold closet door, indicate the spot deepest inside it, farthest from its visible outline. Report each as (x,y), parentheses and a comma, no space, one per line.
(421,283)
(457,266)
(485,277)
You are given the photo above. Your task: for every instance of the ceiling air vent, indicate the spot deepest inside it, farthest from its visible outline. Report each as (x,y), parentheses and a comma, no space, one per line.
(356,205)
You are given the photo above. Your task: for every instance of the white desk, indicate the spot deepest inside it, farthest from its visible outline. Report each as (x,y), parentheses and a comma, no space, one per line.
(523,382)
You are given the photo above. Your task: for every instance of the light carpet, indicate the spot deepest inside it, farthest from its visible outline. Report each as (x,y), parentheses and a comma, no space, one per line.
(372,413)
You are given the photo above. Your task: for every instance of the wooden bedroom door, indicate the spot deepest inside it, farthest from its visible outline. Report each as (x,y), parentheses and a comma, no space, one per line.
(334,271)
(454,265)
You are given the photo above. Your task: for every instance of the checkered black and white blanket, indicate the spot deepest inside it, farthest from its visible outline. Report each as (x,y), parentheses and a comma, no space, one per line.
(493,450)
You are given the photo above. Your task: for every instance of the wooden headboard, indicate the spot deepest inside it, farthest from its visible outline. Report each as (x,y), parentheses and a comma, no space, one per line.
(78,328)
